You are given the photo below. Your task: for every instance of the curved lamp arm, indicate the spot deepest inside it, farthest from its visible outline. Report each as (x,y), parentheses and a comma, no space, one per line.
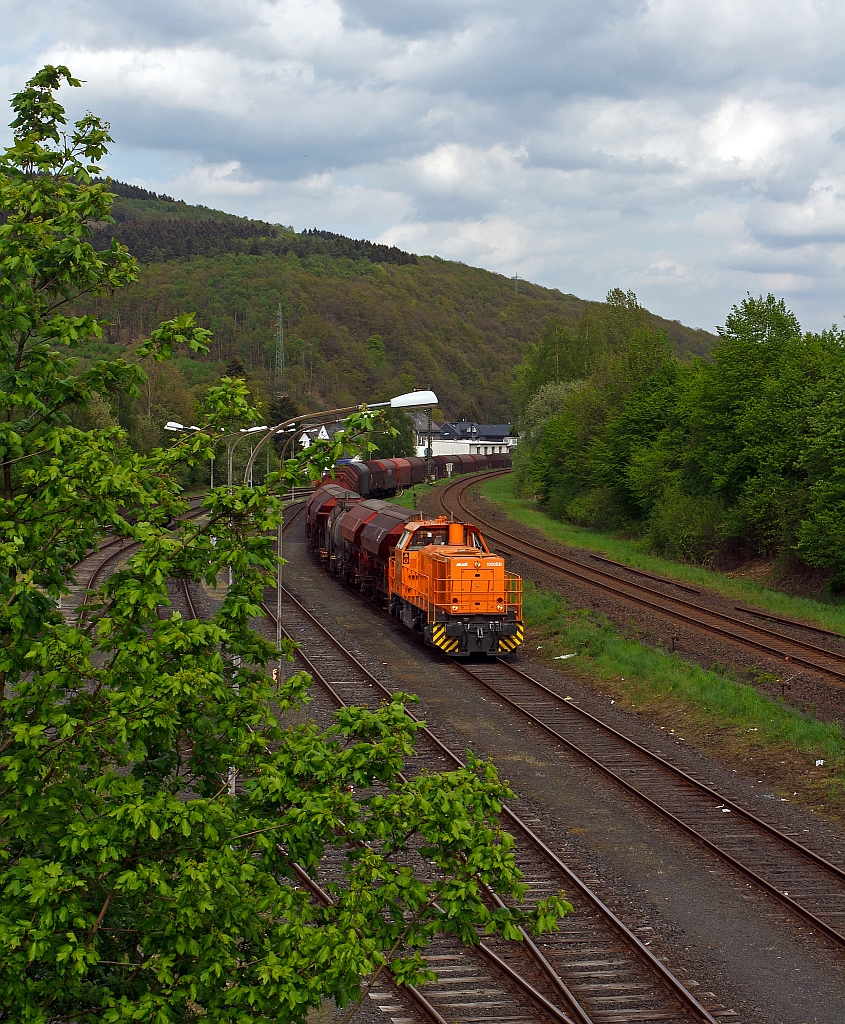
(289,423)
(411,400)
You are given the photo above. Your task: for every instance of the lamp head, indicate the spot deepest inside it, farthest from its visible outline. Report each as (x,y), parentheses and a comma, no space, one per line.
(414,400)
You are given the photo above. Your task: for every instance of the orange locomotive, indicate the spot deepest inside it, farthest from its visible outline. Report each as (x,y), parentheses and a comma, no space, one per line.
(437,577)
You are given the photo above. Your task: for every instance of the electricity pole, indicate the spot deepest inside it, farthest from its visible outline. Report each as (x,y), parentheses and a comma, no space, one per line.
(428,450)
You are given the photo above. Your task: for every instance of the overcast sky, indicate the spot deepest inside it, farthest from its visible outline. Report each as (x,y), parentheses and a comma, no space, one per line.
(691,150)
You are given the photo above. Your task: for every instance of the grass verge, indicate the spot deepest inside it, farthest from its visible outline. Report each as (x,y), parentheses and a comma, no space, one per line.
(635,553)
(413,497)
(720,715)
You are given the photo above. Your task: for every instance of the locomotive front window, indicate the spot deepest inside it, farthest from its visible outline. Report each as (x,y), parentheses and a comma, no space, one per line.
(403,538)
(477,542)
(420,538)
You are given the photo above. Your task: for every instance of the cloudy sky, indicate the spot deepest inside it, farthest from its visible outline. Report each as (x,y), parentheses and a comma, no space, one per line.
(691,150)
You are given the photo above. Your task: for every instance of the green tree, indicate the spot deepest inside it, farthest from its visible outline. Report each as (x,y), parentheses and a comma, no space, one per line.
(376,348)
(734,457)
(550,401)
(396,439)
(753,415)
(566,354)
(580,462)
(553,358)
(132,885)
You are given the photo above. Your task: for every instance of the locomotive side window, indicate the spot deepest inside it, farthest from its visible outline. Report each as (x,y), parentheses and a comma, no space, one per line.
(401,542)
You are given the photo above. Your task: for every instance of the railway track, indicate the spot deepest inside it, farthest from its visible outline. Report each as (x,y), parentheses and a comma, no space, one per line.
(594,970)
(787,649)
(800,878)
(93,568)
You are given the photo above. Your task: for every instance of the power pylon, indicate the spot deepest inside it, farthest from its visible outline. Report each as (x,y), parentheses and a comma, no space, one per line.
(279,357)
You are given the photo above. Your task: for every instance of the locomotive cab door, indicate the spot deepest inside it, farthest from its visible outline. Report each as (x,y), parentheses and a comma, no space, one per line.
(401,560)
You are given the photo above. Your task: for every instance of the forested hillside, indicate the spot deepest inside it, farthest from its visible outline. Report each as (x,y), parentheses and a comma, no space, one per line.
(158,227)
(716,461)
(361,320)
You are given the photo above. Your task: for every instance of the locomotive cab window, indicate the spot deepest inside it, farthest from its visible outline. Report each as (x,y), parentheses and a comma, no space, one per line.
(420,538)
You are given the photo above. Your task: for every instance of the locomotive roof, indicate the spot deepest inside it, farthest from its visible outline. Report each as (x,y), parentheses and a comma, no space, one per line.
(439,521)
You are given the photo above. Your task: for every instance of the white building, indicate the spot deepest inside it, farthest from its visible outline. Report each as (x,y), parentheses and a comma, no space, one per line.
(464,437)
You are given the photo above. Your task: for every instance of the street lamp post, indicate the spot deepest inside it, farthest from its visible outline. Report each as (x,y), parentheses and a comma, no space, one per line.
(231,439)
(411,400)
(428,452)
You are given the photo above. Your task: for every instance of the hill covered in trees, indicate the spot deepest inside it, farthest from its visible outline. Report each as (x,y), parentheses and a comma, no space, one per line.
(361,320)
(158,227)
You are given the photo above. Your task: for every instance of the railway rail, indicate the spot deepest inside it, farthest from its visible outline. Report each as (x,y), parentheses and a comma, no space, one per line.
(802,879)
(594,969)
(785,648)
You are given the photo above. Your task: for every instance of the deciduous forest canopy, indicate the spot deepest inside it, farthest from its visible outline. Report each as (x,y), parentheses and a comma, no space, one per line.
(713,460)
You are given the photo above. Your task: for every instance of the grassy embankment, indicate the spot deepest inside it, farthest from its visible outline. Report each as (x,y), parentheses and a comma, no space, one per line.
(713,710)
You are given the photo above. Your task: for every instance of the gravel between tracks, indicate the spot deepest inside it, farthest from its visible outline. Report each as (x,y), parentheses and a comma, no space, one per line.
(691,908)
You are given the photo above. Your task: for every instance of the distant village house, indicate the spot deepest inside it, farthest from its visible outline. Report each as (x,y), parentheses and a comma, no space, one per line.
(464,437)
(460,438)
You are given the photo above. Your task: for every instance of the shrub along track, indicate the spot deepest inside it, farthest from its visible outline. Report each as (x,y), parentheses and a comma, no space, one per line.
(593,969)
(788,650)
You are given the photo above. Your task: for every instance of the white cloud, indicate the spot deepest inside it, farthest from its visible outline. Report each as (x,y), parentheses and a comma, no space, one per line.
(820,217)
(185,79)
(690,149)
(210,181)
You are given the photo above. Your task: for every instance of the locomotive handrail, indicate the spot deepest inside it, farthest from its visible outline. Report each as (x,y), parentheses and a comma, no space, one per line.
(513,588)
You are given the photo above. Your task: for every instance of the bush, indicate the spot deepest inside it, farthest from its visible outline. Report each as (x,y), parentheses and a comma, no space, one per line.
(685,526)
(561,494)
(597,509)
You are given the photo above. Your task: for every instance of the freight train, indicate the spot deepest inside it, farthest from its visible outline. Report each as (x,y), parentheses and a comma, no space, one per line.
(437,577)
(382,478)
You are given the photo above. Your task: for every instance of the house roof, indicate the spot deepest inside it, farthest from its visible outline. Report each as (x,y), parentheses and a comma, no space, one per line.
(466,430)
(463,430)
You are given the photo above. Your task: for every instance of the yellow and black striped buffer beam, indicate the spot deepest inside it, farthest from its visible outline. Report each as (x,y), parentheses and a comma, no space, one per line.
(449,644)
(510,643)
